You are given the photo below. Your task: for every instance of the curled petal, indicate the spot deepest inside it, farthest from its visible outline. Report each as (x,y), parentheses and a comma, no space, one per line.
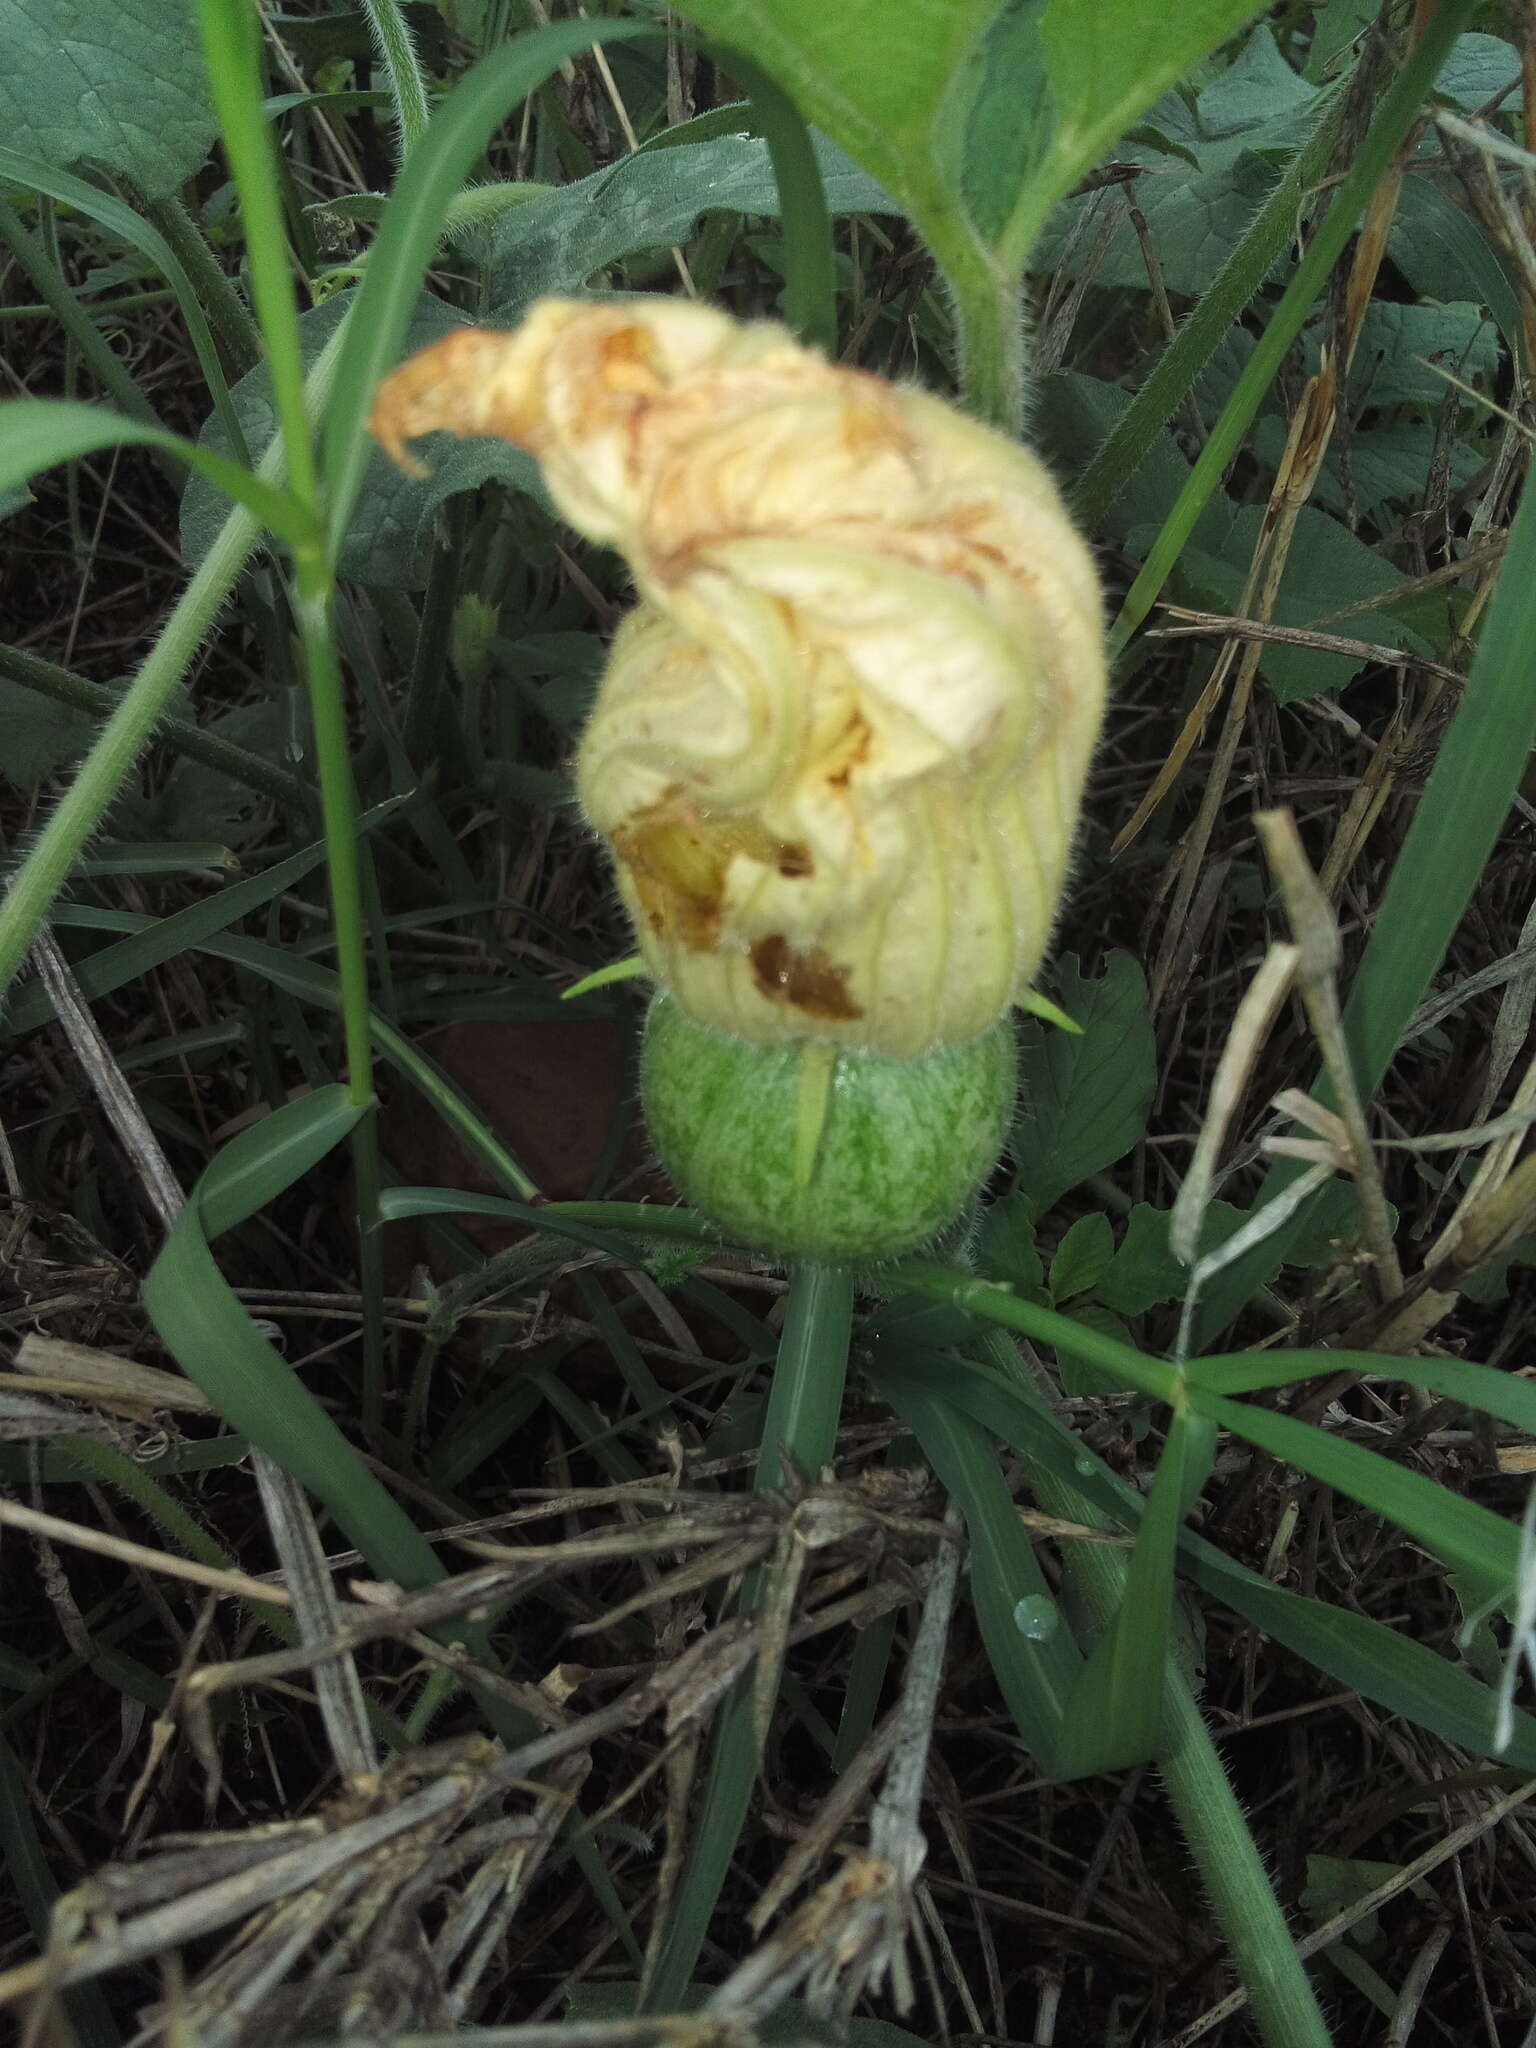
(840,744)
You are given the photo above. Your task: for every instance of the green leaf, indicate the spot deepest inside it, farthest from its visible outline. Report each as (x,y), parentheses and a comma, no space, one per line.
(39,433)
(1081,1257)
(1401,345)
(1144,1270)
(114,83)
(1197,213)
(652,200)
(1327,570)
(1490,1282)
(194,801)
(1005,1246)
(1256,89)
(1084,1100)
(1077,417)
(1036,1665)
(1478,67)
(1115,1716)
(1105,65)
(1010,118)
(1444,252)
(887,98)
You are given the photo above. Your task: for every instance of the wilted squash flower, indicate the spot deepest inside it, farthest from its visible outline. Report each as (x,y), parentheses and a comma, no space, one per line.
(840,742)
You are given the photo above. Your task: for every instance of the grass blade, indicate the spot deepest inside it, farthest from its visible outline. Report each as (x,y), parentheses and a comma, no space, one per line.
(1398,1674)
(1495,1393)
(39,433)
(1463,1534)
(1032,1653)
(1176,371)
(219,1347)
(1116,1714)
(33,174)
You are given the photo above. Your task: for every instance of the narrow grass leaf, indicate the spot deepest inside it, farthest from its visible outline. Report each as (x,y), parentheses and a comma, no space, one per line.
(1122,1362)
(1036,1662)
(164,938)
(220,1349)
(810,272)
(40,433)
(319,985)
(1382,1665)
(1461,1533)
(1115,1716)
(1500,1394)
(33,174)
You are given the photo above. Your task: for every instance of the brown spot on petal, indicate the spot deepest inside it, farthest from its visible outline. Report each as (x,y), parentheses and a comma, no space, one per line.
(808,981)
(678,856)
(850,751)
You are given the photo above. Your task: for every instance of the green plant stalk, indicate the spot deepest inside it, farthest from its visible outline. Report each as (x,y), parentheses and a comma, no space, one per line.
(407,86)
(339,818)
(230,41)
(231,48)
(1173,375)
(100,700)
(220,301)
(1393,118)
(1199,1791)
(79,326)
(989,324)
(804,1404)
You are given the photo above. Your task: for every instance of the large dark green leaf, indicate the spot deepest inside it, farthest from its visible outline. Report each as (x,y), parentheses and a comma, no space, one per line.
(651,201)
(114,83)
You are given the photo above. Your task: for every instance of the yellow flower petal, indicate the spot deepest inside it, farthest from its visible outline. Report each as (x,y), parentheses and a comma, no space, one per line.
(840,743)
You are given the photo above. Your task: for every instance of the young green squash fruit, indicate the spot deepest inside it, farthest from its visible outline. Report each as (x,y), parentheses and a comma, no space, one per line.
(818,1152)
